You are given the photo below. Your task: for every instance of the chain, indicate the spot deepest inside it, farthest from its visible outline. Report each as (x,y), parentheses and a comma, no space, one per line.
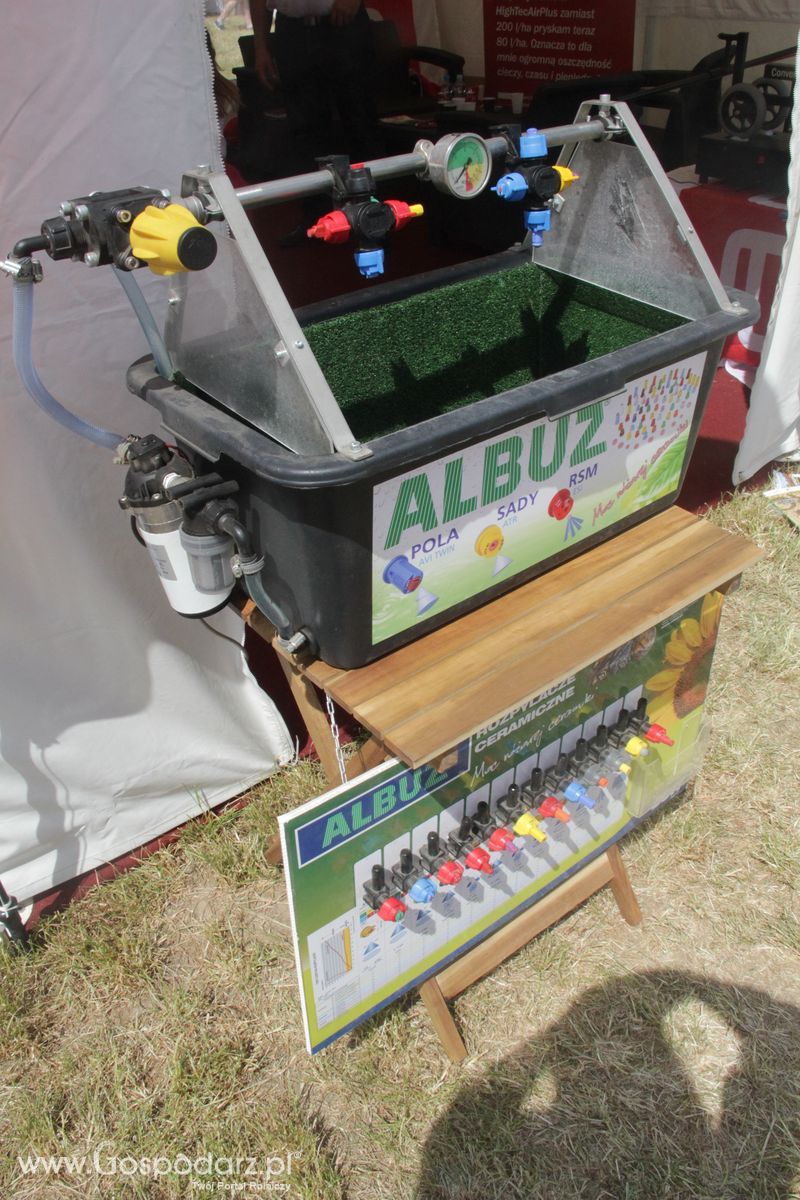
(337,745)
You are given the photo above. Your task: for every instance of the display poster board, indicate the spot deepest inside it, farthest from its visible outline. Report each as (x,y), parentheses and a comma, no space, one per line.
(527,44)
(356,951)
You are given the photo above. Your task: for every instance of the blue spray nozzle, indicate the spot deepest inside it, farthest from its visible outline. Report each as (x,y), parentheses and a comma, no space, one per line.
(532,144)
(578,794)
(423,890)
(512,186)
(537,220)
(369,262)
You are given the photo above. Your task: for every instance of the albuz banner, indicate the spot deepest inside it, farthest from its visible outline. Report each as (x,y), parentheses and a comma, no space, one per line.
(528,43)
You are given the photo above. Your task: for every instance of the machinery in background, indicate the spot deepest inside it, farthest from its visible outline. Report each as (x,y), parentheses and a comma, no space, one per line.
(752,148)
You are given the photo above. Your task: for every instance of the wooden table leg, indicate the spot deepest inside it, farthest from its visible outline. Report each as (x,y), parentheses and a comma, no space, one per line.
(316,719)
(442,1020)
(370,755)
(621,887)
(273,853)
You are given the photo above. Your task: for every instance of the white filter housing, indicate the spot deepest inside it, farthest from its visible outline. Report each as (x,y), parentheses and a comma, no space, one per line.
(173,566)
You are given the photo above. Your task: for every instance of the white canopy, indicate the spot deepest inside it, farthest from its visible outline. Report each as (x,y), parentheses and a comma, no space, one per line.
(118,718)
(773,420)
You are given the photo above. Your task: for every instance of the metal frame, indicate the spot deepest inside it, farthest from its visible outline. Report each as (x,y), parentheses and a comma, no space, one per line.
(292,344)
(212,197)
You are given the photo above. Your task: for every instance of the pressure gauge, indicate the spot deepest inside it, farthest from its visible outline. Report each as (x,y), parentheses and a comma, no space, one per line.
(459,164)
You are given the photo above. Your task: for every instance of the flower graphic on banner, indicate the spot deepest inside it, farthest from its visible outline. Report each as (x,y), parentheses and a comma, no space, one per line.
(683,681)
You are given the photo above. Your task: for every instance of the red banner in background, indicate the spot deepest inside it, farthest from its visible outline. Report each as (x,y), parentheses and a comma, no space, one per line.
(402,13)
(528,43)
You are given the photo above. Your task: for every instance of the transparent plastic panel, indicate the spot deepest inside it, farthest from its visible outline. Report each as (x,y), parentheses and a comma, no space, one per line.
(223,340)
(617,230)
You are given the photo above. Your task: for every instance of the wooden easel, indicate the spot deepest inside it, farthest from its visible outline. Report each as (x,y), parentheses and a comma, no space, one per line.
(428,696)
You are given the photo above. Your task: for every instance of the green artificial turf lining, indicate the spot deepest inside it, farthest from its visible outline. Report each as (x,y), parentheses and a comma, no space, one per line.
(395,365)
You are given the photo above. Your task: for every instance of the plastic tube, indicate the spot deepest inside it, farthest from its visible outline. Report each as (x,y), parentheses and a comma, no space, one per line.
(23,327)
(147,322)
(229,524)
(273,613)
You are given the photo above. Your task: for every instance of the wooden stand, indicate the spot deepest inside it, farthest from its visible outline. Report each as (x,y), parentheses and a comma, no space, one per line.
(425,698)
(472,966)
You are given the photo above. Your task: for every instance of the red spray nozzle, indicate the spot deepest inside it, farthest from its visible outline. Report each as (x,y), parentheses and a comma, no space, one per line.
(550,807)
(450,872)
(478,860)
(403,213)
(501,839)
(657,733)
(334,227)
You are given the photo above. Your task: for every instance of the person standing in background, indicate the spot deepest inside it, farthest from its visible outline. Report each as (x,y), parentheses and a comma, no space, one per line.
(323,61)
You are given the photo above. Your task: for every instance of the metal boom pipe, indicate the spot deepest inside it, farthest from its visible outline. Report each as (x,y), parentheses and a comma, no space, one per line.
(276,190)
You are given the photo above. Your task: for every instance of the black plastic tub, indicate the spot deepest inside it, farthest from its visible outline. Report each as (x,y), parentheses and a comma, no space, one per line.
(514,422)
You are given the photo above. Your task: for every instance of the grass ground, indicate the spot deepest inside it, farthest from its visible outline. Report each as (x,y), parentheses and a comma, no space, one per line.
(226,42)
(159,1015)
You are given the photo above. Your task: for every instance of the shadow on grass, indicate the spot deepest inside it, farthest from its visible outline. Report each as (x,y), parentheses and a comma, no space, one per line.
(603,1104)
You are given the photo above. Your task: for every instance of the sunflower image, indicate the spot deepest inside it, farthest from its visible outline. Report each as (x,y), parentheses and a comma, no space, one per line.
(683,681)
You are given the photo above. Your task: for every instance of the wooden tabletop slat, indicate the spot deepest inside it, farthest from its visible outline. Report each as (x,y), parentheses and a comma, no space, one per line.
(420,738)
(428,695)
(499,647)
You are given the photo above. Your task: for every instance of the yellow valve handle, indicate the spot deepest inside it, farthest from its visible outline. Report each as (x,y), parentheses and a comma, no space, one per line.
(528,826)
(568,177)
(170,240)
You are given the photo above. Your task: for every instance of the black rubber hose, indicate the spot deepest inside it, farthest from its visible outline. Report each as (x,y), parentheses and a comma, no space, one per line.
(240,533)
(228,523)
(25,247)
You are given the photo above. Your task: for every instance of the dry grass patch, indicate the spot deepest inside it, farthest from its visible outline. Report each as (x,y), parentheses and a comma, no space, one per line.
(160,1014)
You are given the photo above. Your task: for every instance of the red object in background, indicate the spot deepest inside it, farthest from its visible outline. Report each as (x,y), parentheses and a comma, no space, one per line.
(523,52)
(402,13)
(743,234)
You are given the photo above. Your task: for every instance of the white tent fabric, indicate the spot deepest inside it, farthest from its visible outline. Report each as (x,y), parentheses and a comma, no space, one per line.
(723,10)
(118,719)
(773,420)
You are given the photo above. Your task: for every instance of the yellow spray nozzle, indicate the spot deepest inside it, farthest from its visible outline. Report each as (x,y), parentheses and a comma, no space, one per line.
(528,826)
(568,177)
(170,240)
(416,210)
(636,747)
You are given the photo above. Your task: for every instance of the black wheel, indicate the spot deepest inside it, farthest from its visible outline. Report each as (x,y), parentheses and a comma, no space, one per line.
(777,97)
(742,110)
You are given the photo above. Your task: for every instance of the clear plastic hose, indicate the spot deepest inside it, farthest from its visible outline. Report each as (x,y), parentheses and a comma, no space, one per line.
(147,322)
(23,328)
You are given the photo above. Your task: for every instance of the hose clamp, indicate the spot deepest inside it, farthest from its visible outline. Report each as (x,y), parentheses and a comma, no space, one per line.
(22,270)
(246,566)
